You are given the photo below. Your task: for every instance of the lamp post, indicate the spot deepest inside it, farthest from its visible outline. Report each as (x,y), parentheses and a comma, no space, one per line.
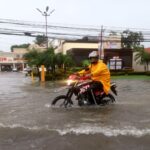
(46,14)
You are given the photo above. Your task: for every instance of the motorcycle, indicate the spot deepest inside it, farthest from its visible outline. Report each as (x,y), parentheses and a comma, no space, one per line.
(80,86)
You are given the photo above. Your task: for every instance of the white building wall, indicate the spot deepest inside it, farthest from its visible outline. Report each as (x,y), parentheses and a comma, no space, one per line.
(112,41)
(69,45)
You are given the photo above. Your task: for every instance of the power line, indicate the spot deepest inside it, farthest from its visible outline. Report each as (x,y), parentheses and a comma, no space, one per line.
(79,29)
(21,22)
(64,32)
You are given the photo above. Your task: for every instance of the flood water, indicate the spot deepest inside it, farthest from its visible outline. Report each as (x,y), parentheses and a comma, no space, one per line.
(28,122)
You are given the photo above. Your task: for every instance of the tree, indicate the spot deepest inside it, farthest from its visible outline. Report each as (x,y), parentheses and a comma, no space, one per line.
(60,60)
(46,58)
(142,57)
(49,59)
(41,39)
(34,59)
(131,39)
(113,33)
(67,61)
(64,61)
(20,46)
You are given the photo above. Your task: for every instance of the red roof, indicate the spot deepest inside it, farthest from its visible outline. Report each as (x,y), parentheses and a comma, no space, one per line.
(147,49)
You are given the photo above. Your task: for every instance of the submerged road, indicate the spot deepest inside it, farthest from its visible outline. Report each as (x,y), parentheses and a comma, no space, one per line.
(28,122)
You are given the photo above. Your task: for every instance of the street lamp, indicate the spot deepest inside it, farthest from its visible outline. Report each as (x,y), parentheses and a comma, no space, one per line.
(46,14)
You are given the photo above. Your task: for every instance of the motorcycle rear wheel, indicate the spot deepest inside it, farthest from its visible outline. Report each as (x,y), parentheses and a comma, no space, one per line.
(107,99)
(60,101)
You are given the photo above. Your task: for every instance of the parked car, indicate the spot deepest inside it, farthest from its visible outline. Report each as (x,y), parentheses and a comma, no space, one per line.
(14,69)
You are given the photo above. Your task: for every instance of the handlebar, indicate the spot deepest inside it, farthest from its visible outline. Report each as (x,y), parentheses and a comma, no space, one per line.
(78,77)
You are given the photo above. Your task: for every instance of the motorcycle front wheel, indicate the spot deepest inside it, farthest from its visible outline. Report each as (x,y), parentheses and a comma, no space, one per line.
(61,101)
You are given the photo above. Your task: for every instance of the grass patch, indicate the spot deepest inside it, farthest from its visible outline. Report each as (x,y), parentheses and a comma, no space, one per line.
(140,77)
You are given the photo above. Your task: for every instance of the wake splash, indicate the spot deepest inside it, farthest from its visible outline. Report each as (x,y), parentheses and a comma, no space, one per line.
(16,126)
(108,131)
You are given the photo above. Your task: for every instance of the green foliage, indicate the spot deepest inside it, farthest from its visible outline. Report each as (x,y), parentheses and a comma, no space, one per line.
(131,77)
(60,59)
(20,46)
(142,57)
(76,69)
(58,75)
(33,58)
(53,62)
(148,73)
(41,39)
(117,73)
(68,62)
(85,63)
(131,39)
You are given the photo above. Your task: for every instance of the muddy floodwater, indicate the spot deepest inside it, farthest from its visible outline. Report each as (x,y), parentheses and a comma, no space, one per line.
(28,122)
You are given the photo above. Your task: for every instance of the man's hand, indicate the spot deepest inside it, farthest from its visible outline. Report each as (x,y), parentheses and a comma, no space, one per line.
(88,75)
(76,73)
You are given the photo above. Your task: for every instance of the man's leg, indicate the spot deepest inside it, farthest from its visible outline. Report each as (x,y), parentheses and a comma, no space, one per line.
(96,85)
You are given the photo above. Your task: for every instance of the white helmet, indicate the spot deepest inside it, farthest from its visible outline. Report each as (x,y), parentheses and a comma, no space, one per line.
(93,54)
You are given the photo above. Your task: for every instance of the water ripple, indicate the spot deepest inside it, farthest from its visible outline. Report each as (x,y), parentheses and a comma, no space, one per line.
(108,131)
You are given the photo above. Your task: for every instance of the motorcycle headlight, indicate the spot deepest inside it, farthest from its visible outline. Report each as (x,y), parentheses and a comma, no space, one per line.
(69,82)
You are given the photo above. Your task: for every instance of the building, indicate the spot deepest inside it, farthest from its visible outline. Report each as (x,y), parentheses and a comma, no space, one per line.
(78,50)
(10,61)
(14,59)
(111,49)
(112,53)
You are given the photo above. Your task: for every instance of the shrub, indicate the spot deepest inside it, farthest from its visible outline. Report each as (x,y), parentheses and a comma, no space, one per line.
(148,73)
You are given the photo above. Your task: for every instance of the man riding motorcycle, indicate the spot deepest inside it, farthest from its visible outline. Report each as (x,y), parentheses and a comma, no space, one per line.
(98,72)
(88,92)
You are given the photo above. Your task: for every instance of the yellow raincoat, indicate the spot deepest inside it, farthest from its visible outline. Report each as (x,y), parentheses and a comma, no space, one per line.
(99,72)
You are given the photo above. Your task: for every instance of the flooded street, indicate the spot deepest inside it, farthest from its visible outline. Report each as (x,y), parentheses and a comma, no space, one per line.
(28,122)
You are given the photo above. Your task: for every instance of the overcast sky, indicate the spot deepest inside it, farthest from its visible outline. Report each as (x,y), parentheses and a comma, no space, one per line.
(117,13)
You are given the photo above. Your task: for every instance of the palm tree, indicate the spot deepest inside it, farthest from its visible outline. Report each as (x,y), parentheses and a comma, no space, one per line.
(49,59)
(64,61)
(60,60)
(68,62)
(142,57)
(34,58)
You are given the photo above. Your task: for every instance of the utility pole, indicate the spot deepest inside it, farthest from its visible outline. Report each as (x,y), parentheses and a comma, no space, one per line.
(101,43)
(46,14)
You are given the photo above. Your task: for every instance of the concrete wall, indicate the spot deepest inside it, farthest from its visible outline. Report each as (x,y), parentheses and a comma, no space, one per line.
(20,50)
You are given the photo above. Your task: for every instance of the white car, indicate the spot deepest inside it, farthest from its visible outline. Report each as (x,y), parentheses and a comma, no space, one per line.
(14,70)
